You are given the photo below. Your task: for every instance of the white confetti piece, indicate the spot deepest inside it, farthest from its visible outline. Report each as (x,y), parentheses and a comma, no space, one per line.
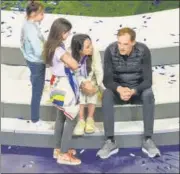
(131,154)
(9,147)
(30,165)
(143,163)
(82,151)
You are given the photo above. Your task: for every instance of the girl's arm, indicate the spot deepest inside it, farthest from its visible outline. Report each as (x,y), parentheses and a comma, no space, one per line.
(66,58)
(69,61)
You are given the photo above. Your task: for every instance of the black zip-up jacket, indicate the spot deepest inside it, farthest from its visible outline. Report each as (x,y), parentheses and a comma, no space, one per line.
(133,71)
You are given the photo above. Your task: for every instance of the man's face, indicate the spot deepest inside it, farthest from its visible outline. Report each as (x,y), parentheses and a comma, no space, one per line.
(125,44)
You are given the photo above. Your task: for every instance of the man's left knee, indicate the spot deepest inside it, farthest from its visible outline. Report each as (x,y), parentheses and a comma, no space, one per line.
(148,93)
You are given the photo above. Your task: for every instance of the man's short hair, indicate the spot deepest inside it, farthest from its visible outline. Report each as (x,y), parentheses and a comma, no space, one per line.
(129,31)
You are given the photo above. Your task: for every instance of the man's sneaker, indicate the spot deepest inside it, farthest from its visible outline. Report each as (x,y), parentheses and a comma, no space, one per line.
(79,128)
(149,148)
(90,125)
(109,148)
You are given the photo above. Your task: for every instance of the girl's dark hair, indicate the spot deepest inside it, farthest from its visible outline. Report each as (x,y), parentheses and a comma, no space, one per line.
(33,6)
(77,45)
(58,28)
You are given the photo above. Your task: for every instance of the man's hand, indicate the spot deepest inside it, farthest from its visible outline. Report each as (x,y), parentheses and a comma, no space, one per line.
(125,93)
(133,92)
(87,88)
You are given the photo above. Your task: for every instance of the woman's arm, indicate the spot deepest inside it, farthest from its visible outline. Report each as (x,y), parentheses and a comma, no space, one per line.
(98,69)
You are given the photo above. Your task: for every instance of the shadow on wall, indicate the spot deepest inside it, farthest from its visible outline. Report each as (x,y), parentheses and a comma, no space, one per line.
(13,56)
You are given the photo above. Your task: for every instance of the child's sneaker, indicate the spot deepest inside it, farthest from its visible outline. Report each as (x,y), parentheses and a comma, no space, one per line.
(90,125)
(41,125)
(57,152)
(79,128)
(68,159)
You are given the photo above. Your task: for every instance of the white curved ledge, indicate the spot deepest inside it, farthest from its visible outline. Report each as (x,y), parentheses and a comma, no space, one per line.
(16,86)
(157,30)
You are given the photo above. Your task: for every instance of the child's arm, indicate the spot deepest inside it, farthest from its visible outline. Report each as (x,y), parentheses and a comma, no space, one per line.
(66,58)
(69,61)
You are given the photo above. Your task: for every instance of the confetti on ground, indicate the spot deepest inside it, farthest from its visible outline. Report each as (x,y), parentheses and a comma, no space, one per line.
(29,165)
(81,151)
(143,163)
(131,154)
(166,167)
(9,147)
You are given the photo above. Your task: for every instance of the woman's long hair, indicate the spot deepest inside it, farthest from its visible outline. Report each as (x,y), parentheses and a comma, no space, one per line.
(77,45)
(58,28)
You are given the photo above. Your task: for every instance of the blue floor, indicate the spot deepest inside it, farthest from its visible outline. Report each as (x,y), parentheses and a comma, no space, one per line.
(17,159)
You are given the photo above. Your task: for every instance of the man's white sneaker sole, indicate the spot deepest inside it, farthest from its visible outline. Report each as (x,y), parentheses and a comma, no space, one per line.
(150,155)
(115,151)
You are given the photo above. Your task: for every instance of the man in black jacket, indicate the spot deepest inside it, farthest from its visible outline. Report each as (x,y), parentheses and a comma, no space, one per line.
(128,80)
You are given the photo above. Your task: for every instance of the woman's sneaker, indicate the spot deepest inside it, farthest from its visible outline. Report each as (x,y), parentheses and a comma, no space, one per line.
(90,125)
(68,159)
(79,128)
(57,152)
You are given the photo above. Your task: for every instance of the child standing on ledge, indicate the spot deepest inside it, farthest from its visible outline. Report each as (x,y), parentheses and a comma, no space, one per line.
(31,46)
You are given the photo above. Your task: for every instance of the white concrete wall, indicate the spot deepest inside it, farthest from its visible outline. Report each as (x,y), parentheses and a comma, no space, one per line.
(160,29)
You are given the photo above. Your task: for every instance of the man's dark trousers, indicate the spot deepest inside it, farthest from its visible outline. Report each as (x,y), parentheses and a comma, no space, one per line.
(146,98)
